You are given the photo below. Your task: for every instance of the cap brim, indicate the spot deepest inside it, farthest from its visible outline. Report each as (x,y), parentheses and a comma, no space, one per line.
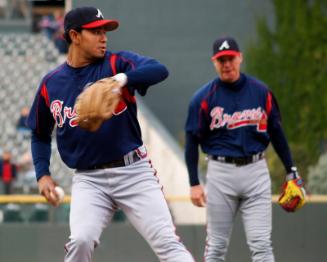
(227,52)
(109,25)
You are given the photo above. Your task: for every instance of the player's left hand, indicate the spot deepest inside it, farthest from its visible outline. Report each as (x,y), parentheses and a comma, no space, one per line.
(47,189)
(198,196)
(97,103)
(293,193)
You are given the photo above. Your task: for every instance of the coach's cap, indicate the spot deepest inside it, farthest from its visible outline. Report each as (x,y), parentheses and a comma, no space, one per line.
(225,46)
(87,17)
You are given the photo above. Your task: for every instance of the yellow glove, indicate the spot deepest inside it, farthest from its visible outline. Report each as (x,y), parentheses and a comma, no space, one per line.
(293,194)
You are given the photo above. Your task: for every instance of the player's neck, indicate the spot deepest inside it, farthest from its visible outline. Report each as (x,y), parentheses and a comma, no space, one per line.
(75,59)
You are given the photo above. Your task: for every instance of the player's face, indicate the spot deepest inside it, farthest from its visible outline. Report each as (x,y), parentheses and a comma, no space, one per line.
(6,156)
(228,68)
(93,43)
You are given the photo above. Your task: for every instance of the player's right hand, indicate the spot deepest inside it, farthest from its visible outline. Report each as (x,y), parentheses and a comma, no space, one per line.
(198,196)
(47,189)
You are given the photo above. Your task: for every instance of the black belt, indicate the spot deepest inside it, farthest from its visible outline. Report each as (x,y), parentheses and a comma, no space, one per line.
(238,161)
(134,157)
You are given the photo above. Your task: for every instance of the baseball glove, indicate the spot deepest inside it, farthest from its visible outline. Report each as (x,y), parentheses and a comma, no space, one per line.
(97,103)
(293,195)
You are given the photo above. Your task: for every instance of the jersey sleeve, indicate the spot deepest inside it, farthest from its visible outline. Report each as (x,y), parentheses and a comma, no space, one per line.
(196,126)
(192,158)
(40,118)
(41,122)
(141,71)
(276,133)
(197,122)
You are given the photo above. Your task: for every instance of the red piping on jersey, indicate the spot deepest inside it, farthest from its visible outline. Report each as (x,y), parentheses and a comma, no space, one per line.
(128,61)
(203,107)
(204,104)
(125,94)
(44,91)
(268,103)
(113,59)
(45,95)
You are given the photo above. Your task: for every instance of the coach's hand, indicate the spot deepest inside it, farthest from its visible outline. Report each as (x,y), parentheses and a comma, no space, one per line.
(198,196)
(293,195)
(46,186)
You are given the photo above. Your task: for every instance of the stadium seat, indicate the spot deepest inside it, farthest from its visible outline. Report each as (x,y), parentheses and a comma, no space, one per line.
(25,58)
(40,213)
(12,213)
(62,214)
(119,216)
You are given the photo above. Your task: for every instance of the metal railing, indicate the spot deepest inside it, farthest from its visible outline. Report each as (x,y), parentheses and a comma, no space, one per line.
(34,199)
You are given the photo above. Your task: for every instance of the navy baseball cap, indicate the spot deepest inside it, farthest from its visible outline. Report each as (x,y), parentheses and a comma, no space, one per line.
(225,46)
(87,17)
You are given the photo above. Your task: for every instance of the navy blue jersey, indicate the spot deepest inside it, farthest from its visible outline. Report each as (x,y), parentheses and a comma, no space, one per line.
(53,106)
(231,120)
(234,120)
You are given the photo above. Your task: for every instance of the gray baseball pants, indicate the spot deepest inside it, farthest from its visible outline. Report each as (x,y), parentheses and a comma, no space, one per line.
(247,189)
(135,189)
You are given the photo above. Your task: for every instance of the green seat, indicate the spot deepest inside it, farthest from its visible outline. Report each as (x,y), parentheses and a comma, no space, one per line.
(12,213)
(119,216)
(40,213)
(62,214)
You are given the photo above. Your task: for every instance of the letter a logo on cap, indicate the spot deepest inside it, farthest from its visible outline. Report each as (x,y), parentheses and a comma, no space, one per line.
(99,14)
(224,45)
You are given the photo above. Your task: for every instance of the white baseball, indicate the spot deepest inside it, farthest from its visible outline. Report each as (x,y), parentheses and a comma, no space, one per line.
(60,192)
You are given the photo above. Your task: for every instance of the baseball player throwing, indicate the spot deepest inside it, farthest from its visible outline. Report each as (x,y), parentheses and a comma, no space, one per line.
(111,163)
(233,118)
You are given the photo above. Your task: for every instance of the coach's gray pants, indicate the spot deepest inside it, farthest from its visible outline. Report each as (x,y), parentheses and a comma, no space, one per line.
(247,189)
(135,189)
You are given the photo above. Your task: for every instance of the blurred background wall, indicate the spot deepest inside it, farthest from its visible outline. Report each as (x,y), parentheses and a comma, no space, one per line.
(299,237)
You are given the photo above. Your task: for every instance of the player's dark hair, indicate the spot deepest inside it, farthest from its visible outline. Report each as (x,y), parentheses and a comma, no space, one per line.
(67,37)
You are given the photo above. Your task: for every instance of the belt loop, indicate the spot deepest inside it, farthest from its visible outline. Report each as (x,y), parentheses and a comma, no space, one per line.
(135,155)
(126,160)
(141,152)
(130,157)
(221,158)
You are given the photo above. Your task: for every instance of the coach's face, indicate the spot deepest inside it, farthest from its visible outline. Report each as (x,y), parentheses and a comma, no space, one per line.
(92,43)
(228,67)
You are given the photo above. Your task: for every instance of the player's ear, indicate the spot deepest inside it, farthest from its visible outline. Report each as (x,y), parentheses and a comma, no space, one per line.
(241,57)
(215,63)
(74,36)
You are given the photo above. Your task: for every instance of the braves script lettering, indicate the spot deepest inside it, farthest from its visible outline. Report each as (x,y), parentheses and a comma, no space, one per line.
(60,115)
(246,117)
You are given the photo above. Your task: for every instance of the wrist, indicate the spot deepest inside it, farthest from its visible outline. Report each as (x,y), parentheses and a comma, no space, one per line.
(293,174)
(194,181)
(38,177)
